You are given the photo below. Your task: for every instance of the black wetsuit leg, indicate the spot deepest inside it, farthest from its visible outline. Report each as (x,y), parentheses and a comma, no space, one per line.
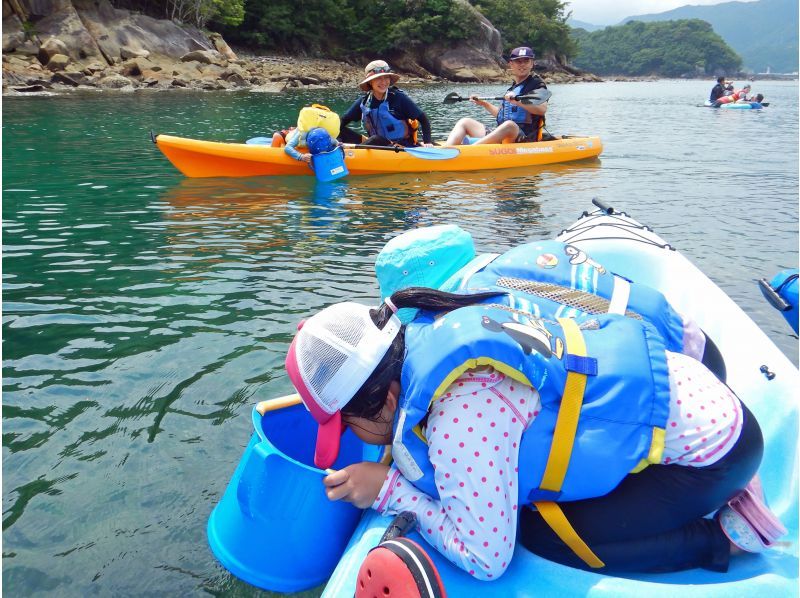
(654,520)
(713,360)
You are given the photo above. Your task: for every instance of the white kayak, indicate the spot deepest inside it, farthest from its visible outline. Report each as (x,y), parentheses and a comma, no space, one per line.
(758,372)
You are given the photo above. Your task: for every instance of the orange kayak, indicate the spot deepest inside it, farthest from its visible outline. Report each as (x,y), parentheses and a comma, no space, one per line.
(195,158)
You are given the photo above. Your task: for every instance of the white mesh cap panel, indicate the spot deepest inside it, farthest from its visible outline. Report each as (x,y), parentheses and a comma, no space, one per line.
(319,363)
(338,349)
(347,327)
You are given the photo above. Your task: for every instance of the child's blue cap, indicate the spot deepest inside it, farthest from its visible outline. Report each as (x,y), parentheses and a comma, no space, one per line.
(423,257)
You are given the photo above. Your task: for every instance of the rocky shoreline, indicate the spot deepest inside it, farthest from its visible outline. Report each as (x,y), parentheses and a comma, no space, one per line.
(209,70)
(90,45)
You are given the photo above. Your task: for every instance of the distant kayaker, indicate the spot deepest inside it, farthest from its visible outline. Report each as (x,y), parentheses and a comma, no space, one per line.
(387,114)
(718,90)
(741,95)
(469,396)
(516,121)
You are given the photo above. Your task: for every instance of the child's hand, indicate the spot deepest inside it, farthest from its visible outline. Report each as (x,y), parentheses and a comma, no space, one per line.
(305,158)
(358,484)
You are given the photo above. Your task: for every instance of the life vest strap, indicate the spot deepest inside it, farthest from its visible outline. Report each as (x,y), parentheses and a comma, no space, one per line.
(579,366)
(554,517)
(619,296)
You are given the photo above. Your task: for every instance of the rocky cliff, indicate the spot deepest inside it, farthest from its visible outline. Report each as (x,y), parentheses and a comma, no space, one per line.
(61,44)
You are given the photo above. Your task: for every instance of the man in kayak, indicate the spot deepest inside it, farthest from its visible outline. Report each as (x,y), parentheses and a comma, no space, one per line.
(388,115)
(718,90)
(516,121)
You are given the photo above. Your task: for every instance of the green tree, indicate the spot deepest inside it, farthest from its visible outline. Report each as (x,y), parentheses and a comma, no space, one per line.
(665,48)
(228,12)
(540,24)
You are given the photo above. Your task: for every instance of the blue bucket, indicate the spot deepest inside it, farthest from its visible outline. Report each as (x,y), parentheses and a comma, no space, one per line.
(274,527)
(785,284)
(329,166)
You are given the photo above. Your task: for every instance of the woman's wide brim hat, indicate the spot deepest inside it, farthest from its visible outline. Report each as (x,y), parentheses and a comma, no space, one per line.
(375,69)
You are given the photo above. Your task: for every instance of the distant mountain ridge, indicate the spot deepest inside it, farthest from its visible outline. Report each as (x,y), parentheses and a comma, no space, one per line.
(575,24)
(763,33)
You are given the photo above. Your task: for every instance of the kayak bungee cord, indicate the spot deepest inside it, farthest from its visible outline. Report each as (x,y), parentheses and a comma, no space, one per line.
(621,223)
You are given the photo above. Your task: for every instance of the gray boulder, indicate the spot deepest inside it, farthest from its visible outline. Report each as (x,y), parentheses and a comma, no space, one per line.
(50,48)
(115,81)
(13,33)
(60,20)
(205,57)
(58,62)
(115,29)
(477,59)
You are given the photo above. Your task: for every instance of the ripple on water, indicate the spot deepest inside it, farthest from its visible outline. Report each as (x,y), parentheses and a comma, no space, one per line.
(146,313)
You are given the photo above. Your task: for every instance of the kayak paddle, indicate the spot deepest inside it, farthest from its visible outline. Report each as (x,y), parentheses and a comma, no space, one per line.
(424,153)
(540,96)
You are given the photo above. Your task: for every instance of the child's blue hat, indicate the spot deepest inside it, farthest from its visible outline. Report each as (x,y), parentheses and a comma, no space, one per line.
(423,257)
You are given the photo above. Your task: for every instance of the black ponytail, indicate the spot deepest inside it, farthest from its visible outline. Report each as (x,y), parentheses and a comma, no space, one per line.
(370,398)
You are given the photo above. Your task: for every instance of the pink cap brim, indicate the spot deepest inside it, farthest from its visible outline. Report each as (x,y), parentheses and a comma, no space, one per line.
(329,436)
(330,426)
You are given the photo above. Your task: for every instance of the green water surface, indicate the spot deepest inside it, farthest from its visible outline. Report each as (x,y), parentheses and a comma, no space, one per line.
(145,313)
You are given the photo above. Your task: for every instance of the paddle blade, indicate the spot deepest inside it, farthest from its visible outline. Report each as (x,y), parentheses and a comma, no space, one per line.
(452,98)
(433,153)
(540,96)
(259,141)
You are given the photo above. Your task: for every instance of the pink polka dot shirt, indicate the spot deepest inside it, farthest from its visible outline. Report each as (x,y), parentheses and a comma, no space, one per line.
(705,417)
(474,431)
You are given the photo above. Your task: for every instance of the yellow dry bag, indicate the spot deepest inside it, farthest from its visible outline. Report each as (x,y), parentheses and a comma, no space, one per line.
(318,115)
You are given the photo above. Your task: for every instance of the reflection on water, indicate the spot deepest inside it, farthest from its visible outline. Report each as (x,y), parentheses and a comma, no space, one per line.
(144,313)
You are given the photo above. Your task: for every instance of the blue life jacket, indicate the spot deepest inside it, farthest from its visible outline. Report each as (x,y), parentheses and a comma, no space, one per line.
(552,279)
(518,114)
(380,121)
(625,404)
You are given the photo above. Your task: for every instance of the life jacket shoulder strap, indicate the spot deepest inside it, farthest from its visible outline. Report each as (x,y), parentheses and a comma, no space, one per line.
(579,366)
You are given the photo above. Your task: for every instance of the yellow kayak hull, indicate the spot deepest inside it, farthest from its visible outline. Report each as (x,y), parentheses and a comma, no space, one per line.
(195,158)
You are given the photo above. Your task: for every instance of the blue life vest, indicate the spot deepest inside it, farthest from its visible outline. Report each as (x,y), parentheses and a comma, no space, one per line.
(380,121)
(518,114)
(625,403)
(528,271)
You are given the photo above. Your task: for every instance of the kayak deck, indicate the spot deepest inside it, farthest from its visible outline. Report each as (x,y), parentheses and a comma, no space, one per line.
(196,158)
(626,248)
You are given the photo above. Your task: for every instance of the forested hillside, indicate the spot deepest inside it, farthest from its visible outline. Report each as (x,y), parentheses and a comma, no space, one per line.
(763,33)
(669,49)
(340,28)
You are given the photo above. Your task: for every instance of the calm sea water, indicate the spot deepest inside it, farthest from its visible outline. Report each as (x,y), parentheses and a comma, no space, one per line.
(144,313)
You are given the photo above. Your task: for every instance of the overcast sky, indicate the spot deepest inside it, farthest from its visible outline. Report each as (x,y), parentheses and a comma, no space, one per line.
(611,12)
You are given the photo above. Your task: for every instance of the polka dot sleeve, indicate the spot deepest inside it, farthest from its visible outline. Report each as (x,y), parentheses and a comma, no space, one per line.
(473,433)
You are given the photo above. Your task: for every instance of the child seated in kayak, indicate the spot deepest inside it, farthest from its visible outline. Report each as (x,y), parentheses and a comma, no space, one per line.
(516,121)
(468,394)
(310,117)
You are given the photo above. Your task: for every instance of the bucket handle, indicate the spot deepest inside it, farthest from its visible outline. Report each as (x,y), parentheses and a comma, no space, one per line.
(278,403)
